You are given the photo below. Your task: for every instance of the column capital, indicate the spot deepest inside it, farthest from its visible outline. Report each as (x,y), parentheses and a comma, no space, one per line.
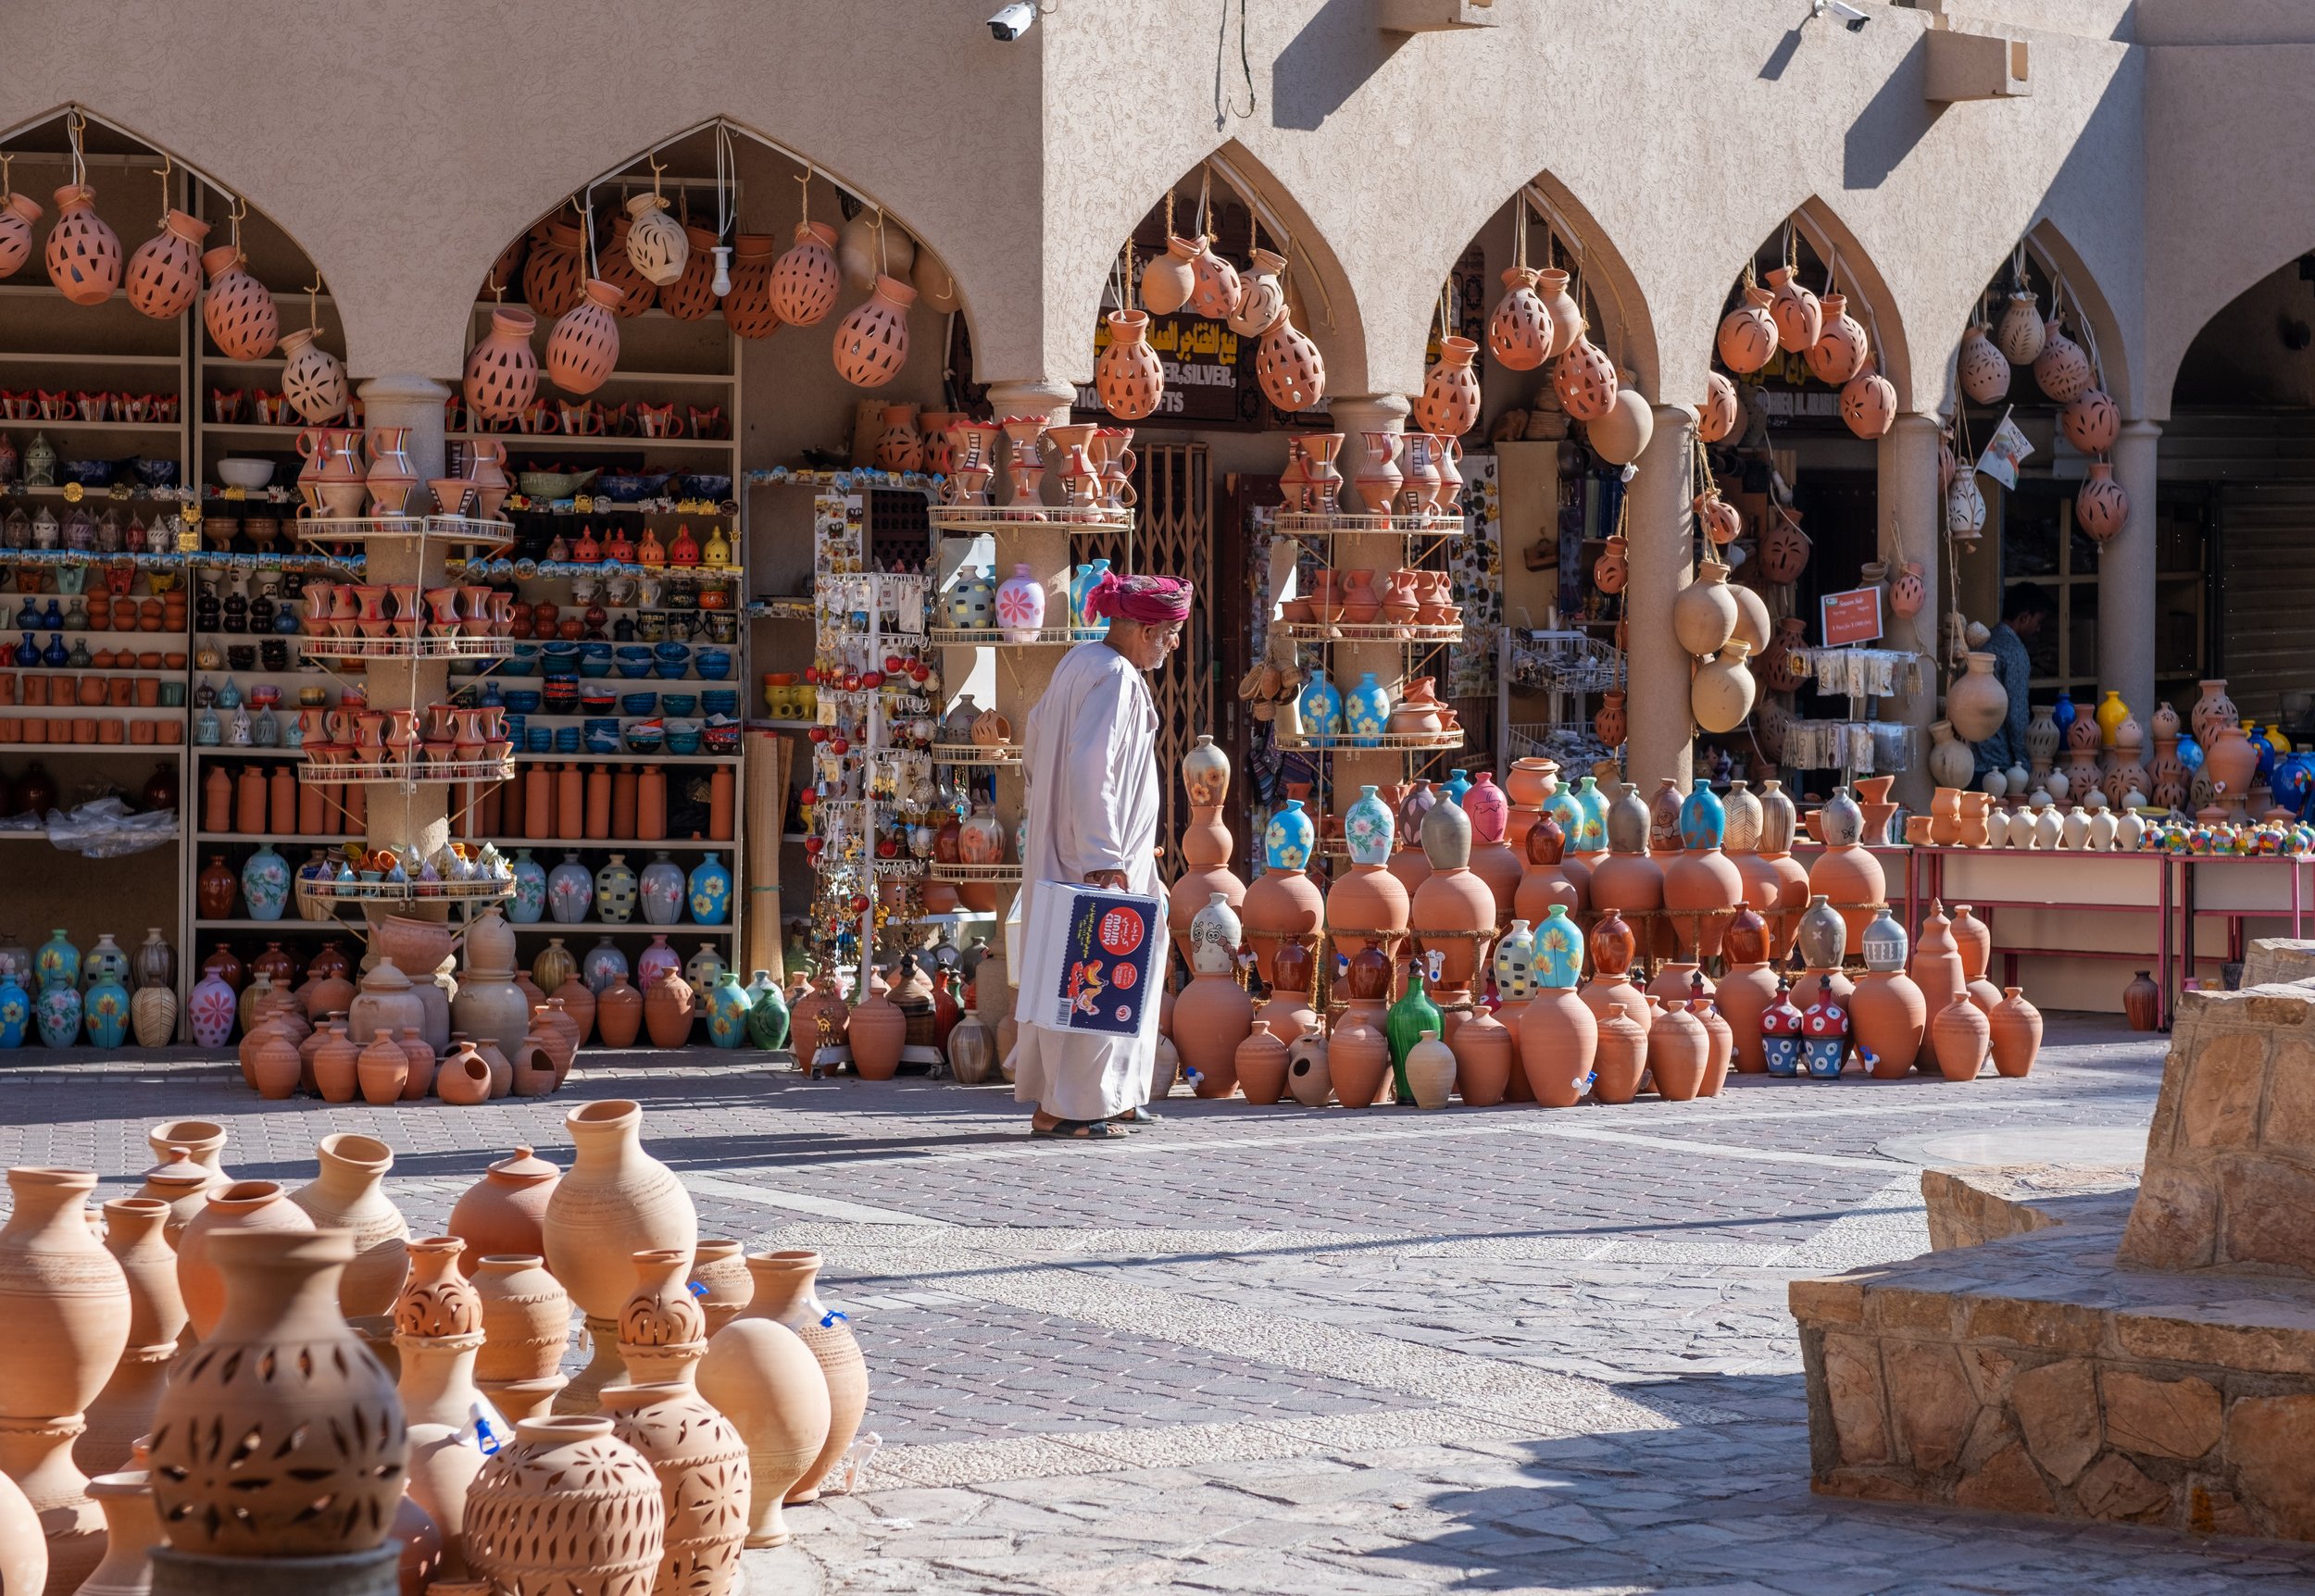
(1915,420)
(2143,426)
(1370,411)
(401,387)
(1674,415)
(1031,396)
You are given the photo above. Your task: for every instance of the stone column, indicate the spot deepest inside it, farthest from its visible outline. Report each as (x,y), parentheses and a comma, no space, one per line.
(1912,526)
(1661,528)
(2126,576)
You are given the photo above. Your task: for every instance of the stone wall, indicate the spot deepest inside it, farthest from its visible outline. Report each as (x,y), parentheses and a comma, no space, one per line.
(1969,1206)
(2230,1179)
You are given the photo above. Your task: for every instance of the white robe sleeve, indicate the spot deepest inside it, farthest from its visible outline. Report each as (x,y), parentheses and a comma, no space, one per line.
(1092,836)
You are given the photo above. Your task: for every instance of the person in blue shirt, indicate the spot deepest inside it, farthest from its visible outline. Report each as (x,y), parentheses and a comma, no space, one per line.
(2025,608)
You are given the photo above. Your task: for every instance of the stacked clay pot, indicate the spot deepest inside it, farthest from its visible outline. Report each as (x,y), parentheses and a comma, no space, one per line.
(1559,1034)
(1888,1016)
(1367,899)
(1213,1013)
(760,1376)
(1747,986)
(1206,844)
(1453,911)
(1700,883)
(1358,1057)
(1627,880)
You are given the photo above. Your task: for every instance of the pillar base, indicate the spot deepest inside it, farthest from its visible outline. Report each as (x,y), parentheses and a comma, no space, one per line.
(372,1573)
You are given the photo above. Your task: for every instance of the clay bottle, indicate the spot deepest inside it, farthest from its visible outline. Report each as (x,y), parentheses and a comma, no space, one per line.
(570,803)
(598,802)
(651,806)
(216,800)
(622,802)
(249,801)
(282,798)
(759,1374)
(136,1234)
(538,803)
(719,800)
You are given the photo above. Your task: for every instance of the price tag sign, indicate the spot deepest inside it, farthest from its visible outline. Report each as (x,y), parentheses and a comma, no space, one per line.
(1850,618)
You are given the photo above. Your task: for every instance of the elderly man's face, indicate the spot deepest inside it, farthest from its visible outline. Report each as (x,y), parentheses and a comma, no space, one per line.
(1147,646)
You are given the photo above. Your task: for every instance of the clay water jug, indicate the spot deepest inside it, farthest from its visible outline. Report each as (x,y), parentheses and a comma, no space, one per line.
(1678,1051)
(759,1374)
(1961,1036)
(349,1194)
(615,1200)
(785,1289)
(1621,1058)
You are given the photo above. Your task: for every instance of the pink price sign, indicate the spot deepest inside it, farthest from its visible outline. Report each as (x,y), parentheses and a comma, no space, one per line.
(1850,618)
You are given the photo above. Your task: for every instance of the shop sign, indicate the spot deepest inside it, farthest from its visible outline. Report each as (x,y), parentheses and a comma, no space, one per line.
(1209,374)
(1851,617)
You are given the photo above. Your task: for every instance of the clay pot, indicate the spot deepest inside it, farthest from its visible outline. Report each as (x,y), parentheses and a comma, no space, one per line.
(2016,1033)
(616,1201)
(1703,614)
(878,1029)
(23,1548)
(526,1317)
(1260,1062)
(2101,507)
(871,341)
(349,1194)
(700,1460)
(165,273)
(1962,1037)
(1798,314)
(84,252)
(337,1432)
(1973,939)
(239,1206)
(618,1012)
(1621,1057)
(502,374)
(1584,380)
(1889,1018)
(136,1234)
(1983,369)
(1868,403)
(1519,331)
(1679,1048)
(566,1506)
(1747,337)
(1976,702)
(2061,370)
(1717,416)
(666,1009)
(68,1304)
(785,1291)
(759,1374)
(723,1282)
(1558,1040)
(1742,996)
(583,349)
(1449,404)
(1211,1016)
(1430,1069)
(1936,963)
(1840,348)
(662,1330)
(1485,1054)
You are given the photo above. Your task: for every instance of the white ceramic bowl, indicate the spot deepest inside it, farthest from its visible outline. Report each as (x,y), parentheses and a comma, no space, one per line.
(246,473)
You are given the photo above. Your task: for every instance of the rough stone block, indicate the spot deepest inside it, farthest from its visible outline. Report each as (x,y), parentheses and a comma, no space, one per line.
(2270,1448)
(2212,1511)
(2057,1408)
(2174,1224)
(2158,1417)
(1835,1302)
(2118,1490)
(2270,1213)
(2274,960)
(1872,1485)
(2288,1128)
(1931,1400)
(2031,1322)
(1852,1374)
(2225,1331)
(1905,1311)
(2223,1088)
(2007,1483)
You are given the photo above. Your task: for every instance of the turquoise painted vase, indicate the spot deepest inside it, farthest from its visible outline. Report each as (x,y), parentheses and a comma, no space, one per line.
(615,891)
(1288,840)
(105,1010)
(1081,585)
(1458,783)
(59,1012)
(528,906)
(58,963)
(711,891)
(264,883)
(663,888)
(727,1011)
(1703,819)
(1558,950)
(1566,805)
(1321,710)
(1368,827)
(1366,712)
(767,1013)
(16,1011)
(1594,837)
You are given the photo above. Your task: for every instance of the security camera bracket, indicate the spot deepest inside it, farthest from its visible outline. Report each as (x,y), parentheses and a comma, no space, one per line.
(1433,15)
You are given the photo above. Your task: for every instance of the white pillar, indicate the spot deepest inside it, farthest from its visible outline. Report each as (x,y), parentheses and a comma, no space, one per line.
(1663,532)
(1913,519)
(2126,567)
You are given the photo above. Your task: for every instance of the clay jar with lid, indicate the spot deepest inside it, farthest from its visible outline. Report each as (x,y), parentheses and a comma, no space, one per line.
(759,1374)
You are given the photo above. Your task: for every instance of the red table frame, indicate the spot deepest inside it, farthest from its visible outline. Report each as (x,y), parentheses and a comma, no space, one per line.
(1929,883)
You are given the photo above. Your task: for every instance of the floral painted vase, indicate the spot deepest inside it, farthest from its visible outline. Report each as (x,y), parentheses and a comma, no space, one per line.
(1515,962)
(1021,606)
(653,962)
(1593,836)
(1566,806)
(1367,829)
(1081,587)
(711,891)
(1215,933)
(16,1011)
(603,961)
(212,1011)
(728,1011)
(57,963)
(1365,711)
(264,883)
(1321,708)
(1558,956)
(528,904)
(767,1013)
(615,891)
(58,1013)
(1288,840)
(661,886)
(105,1010)
(569,891)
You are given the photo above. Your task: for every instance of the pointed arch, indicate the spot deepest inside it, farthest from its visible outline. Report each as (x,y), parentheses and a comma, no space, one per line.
(1860,276)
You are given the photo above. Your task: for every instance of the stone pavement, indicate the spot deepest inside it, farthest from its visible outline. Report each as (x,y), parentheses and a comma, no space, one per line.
(1282,1350)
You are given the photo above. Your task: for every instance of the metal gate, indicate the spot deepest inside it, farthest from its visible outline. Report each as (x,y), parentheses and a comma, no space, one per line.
(1174,536)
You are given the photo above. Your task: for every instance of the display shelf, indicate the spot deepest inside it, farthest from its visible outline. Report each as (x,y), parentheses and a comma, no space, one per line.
(141,750)
(433,645)
(227,750)
(456,532)
(1381,742)
(682,927)
(149,712)
(358,891)
(286,923)
(294,839)
(626,756)
(979,637)
(673,844)
(974,519)
(581,443)
(1350,631)
(976,753)
(339,774)
(174,428)
(964,873)
(34,357)
(1315,524)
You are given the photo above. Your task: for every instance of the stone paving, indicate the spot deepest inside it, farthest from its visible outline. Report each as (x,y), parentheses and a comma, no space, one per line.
(1282,1350)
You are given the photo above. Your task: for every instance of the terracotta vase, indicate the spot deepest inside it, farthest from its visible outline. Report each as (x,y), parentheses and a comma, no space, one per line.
(2016,1039)
(700,1460)
(83,253)
(878,1031)
(568,1507)
(136,1234)
(723,1282)
(1621,1056)
(1936,965)
(1973,939)
(871,341)
(1558,1045)
(1976,702)
(349,1194)
(526,1317)
(1962,1037)
(1747,337)
(1211,1016)
(238,311)
(1889,1018)
(615,1200)
(1678,1051)
(239,1206)
(583,349)
(1484,1052)
(502,374)
(618,1012)
(505,1212)
(785,1291)
(667,1006)
(662,1328)
(1261,1064)
(336,1433)
(2141,1003)
(759,1374)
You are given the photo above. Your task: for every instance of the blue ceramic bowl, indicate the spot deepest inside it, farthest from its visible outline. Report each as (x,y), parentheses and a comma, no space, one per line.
(523,701)
(638,702)
(678,704)
(602,741)
(540,739)
(720,701)
(670,651)
(682,737)
(670,669)
(714,664)
(632,668)
(694,485)
(643,737)
(595,648)
(516,727)
(566,739)
(594,665)
(518,665)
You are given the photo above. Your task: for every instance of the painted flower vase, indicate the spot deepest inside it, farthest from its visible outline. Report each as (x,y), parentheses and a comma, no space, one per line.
(528,906)
(569,890)
(1703,819)
(767,1013)
(615,891)
(1556,956)
(661,888)
(264,883)
(16,1011)
(1366,712)
(1321,708)
(58,1015)
(728,1011)
(1367,829)
(212,1009)
(57,963)
(105,1010)
(1021,606)
(711,891)
(1290,838)
(603,961)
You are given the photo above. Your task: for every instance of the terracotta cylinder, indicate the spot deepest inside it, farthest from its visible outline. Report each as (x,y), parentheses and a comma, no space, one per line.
(538,803)
(570,802)
(651,806)
(623,803)
(598,815)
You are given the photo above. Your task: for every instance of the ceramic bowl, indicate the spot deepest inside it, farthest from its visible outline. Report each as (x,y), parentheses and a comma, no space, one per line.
(642,736)
(521,701)
(245,473)
(566,739)
(632,668)
(720,701)
(678,704)
(591,664)
(722,738)
(638,702)
(670,669)
(714,664)
(670,651)
(683,736)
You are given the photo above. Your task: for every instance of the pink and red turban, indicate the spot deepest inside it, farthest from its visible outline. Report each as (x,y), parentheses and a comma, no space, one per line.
(1152,601)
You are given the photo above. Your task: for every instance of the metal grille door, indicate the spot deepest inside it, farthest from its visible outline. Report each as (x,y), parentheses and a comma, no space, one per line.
(1174,536)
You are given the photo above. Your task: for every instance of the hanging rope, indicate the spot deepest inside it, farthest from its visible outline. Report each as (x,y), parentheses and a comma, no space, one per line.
(239,213)
(726,179)
(75,125)
(313,303)
(166,167)
(1225,106)
(1205,205)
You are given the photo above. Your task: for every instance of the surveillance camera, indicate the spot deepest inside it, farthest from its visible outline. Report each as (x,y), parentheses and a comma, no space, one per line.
(1851,17)
(1013,21)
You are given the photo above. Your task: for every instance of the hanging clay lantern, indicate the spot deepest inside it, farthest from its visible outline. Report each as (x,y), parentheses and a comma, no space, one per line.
(2019,337)
(1984,373)
(1169,280)
(637,293)
(18,213)
(2102,506)
(1965,506)
(692,297)
(1129,376)
(1613,568)
(806,279)
(1748,335)
(1261,296)
(1703,614)
(583,347)
(553,275)
(1841,351)
(1214,284)
(1519,333)
(655,244)
(2061,370)
(1621,436)
(1584,380)
(313,381)
(1449,403)
(1289,366)
(1567,316)
(165,273)
(867,250)
(2092,421)
(748,309)
(1717,416)
(1868,403)
(1799,315)
(1721,695)
(502,374)
(84,254)
(238,311)
(1721,520)
(872,343)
